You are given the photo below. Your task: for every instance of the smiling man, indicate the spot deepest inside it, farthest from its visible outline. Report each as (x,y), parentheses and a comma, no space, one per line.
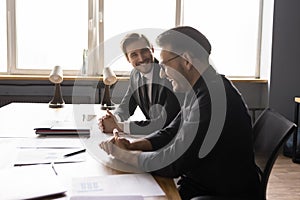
(209,144)
(146,89)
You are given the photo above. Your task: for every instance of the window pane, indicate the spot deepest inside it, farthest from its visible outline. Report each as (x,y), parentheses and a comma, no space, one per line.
(51,32)
(3,38)
(149,17)
(232,28)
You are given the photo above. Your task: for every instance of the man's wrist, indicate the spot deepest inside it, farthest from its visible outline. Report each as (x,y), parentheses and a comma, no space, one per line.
(120,126)
(118,118)
(130,157)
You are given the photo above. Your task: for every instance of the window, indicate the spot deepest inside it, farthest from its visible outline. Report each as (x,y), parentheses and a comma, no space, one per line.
(3,38)
(121,17)
(49,33)
(42,34)
(232,28)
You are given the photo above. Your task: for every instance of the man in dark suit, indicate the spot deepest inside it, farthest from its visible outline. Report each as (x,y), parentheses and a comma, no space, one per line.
(146,89)
(209,144)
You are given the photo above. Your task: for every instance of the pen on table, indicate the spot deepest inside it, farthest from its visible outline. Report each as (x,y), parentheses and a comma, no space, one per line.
(74,153)
(52,165)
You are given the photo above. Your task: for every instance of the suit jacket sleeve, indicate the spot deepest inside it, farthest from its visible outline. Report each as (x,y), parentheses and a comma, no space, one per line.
(128,103)
(166,108)
(179,140)
(177,146)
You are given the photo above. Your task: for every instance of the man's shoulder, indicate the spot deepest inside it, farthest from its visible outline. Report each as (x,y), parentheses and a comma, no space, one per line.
(134,73)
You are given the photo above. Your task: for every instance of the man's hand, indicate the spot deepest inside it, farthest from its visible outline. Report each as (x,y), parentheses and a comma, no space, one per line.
(120,148)
(121,142)
(116,142)
(108,123)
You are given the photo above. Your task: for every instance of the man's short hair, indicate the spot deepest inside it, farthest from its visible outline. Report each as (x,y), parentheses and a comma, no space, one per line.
(130,38)
(185,38)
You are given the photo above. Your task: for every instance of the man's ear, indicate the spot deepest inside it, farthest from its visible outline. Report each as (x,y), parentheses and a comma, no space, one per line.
(187,60)
(151,48)
(126,55)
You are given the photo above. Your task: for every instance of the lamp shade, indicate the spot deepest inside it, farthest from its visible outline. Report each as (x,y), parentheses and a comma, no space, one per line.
(109,77)
(56,75)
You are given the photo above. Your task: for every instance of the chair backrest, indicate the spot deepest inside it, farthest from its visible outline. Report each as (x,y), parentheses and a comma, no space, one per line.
(271,130)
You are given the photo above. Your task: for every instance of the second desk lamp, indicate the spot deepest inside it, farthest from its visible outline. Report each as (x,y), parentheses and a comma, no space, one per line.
(109,78)
(56,77)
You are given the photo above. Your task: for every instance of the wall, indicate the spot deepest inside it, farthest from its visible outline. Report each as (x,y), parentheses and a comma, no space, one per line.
(285,67)
(255,94)
(43,91)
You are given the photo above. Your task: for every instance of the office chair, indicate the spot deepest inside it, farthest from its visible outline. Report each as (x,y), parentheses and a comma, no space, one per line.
(270,130)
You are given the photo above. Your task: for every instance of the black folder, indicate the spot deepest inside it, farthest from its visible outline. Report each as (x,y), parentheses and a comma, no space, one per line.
(63,128)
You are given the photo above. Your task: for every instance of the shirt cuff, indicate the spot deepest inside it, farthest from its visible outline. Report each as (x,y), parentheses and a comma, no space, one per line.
(126,127)
(118,118)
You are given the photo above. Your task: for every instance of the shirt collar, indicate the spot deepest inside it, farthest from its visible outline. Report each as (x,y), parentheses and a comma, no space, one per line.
(149,75)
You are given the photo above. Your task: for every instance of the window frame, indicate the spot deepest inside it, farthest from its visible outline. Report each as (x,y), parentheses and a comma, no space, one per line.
(12,41)
(96,23)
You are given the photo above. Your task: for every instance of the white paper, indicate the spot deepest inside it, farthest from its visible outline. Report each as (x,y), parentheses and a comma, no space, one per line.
(117,185)
(29,182)
(7,145)
(50,143)
(40,156)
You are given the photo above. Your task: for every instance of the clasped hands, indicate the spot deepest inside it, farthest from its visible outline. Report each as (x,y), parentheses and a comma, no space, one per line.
(116,145)
(108,123)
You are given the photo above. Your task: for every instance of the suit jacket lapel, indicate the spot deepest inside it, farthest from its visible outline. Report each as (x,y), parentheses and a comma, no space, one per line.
(138,91)
(157,83)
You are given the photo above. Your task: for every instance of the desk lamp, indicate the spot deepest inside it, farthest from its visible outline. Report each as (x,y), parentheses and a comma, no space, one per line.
(109,78)
(56,77)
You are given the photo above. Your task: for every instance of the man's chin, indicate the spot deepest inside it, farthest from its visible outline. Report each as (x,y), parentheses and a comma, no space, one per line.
(145,68)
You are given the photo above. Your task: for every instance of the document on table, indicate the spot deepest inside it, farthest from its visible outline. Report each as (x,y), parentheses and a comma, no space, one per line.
(7,145)
(46,142)
(117,185)
(29,182)
(40,156)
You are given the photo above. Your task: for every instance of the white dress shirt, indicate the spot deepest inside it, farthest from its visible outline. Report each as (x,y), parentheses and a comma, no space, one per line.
(148,76)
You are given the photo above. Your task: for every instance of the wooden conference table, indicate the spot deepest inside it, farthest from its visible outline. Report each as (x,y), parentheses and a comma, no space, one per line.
(19,119)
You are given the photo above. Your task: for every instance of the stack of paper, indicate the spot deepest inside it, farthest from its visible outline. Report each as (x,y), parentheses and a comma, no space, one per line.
(47,150)
(29,182)
(40,156)
(127,185)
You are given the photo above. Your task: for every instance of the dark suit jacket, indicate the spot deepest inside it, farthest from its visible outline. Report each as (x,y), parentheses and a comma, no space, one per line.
(165,104)
(228,168)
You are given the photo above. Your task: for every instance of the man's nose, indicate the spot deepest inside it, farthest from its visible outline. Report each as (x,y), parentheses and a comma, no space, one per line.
(141,57)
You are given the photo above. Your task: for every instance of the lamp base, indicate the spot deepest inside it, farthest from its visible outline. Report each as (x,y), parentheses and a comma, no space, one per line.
(52,105)
(105,107)
(106,102)
(57,100)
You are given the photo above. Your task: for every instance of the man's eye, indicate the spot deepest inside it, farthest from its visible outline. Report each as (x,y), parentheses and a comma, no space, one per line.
(133,55)
(145,50)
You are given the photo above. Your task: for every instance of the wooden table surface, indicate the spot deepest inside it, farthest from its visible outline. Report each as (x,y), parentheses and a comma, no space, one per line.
(19,119)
